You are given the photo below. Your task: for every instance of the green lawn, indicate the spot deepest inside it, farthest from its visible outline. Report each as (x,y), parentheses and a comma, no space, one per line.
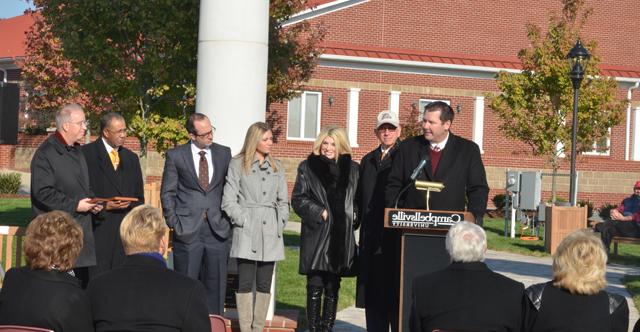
(15,211)
(291,286)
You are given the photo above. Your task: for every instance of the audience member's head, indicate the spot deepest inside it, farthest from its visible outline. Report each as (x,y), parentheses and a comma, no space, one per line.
(53,242)
(579,264)
(466,242)
(144,230)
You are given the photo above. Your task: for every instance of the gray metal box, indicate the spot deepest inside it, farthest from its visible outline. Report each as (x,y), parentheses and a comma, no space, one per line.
(513,181)
(530,190)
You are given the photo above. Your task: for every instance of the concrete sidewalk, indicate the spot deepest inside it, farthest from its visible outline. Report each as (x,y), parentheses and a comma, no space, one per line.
(526,269)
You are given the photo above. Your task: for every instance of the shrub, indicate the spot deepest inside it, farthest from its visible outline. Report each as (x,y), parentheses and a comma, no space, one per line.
(499,201)
(605,210)
(9,183)
(589,206)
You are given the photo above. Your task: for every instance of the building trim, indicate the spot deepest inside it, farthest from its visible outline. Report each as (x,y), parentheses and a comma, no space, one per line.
(321,10)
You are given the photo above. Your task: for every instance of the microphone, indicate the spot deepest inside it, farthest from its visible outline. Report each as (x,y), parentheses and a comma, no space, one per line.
(414,175)
(420,166)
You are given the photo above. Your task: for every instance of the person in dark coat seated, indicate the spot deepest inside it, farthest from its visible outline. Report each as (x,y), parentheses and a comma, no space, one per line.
(44,293)
(142,294)
(466,296)
(575,300)
(625,219)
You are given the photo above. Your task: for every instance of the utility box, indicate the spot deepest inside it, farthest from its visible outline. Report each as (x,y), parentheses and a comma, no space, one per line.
(513,181)
(530,190)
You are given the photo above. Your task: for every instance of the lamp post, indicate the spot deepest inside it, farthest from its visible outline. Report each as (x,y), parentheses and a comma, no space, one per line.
(578,58)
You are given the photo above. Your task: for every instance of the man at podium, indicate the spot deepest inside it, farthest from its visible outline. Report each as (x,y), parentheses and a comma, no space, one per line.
(439,156)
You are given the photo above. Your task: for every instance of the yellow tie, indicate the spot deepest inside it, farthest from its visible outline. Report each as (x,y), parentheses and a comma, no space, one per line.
(115,159)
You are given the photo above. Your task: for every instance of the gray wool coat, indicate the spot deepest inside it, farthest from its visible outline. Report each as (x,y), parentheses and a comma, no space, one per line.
(258,206)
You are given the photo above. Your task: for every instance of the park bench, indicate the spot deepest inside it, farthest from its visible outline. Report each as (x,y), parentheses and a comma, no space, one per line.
(619,239)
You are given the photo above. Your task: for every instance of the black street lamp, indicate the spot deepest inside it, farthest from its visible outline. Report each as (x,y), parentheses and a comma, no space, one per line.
(578,58)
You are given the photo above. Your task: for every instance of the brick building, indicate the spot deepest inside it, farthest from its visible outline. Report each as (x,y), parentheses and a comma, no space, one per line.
(398,55)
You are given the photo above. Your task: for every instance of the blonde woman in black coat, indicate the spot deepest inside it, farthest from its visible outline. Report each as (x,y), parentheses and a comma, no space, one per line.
(323,196)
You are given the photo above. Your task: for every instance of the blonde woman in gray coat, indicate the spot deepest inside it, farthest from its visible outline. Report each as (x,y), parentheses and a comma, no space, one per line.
(255,198)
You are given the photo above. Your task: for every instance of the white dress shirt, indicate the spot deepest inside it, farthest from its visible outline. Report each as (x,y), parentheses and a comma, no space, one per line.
(195,152)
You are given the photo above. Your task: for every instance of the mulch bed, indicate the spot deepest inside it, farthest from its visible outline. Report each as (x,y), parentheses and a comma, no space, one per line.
(14,196)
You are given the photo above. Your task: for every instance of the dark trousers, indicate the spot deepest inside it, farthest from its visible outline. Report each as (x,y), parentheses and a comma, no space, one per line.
(109,249)
(611,228)
(206,260)
(382,289)
(328,281)
(249,270)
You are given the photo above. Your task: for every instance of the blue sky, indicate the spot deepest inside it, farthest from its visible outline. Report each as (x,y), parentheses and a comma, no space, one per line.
(11,8)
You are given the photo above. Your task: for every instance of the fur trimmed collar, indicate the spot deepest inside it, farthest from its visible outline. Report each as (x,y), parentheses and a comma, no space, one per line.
(320,167)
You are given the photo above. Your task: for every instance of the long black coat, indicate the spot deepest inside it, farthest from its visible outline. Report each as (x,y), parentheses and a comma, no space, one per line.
(106,182)
(325,245)
(143,295)
(59,180)
(45,299)
(460,170)
(376,243)
(466,297)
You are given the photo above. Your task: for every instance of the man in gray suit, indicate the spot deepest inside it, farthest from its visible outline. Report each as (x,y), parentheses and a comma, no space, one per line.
(191,194)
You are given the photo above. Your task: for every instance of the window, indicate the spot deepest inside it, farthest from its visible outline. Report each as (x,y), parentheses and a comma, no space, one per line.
(303,121)
(423,102)
(600,147)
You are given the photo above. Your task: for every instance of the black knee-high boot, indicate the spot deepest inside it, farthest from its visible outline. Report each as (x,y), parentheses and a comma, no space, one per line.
(329,309)
(314,302)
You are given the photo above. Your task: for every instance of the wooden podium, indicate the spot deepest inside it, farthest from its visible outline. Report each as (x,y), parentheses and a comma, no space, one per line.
(560,221)
(422,247)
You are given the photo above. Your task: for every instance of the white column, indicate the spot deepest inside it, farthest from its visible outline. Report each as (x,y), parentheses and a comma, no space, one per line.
(394,101)
(232,66)
(478,121)
(352,116)
(636,134)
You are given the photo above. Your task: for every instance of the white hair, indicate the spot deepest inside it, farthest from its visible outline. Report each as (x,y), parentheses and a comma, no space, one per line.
(466,242)
(64,114)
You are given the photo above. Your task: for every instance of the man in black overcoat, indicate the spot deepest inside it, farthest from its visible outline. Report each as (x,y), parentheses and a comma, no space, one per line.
(378,276)
(114,171)
(466,295)
(452,160)
(60,180)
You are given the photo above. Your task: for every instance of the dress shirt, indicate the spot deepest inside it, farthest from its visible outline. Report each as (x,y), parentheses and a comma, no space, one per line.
(195,152)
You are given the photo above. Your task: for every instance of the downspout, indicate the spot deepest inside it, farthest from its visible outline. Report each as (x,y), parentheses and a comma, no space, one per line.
(628,126)
(4,76)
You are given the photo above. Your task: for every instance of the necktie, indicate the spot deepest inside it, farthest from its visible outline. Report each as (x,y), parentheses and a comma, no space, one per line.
(203,174)
(435,148)
(384,154)
(115,159)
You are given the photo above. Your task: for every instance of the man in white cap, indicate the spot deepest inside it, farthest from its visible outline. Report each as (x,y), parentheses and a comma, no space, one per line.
(378,279)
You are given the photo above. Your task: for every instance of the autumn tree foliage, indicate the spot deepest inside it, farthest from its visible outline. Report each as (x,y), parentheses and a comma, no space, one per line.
(536,105)
(141,56)
(48,75)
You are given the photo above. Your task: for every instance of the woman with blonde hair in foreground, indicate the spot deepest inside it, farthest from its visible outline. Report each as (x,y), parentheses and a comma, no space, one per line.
(575,300)
(44,293)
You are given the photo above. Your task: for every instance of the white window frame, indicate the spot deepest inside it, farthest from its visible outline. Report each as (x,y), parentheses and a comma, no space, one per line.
(427,101)
(594,151)
(302,96)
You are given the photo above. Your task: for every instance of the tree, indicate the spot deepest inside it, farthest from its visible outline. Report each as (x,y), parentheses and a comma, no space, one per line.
(536,105)
(141,55)
(48,75)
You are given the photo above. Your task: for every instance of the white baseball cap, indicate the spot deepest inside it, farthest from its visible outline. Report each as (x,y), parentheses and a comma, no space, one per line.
(388,117)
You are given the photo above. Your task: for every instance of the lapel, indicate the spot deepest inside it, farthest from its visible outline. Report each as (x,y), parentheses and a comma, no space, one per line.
(76,153)
(104,162)
(188,159)
(448,156)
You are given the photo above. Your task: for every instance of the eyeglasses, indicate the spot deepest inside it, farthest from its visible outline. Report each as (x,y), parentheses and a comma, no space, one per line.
(82,123)
(119,132)
(209,133)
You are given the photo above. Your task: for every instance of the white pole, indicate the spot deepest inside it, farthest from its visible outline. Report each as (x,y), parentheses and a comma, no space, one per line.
(232,66)
(513,216)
